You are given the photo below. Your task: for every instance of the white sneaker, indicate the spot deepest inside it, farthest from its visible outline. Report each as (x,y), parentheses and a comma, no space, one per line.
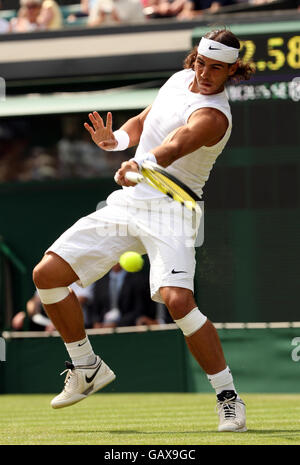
(232,412)
(82,381)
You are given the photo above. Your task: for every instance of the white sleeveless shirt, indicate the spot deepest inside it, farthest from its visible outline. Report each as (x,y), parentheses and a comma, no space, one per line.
(171,109)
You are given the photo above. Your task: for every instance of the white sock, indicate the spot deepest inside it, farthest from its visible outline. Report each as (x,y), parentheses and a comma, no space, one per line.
(222,381)
(81,352)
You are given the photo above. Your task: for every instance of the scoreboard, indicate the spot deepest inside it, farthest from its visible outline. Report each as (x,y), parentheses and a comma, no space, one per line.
(262,158)
(274,48)
(273,53)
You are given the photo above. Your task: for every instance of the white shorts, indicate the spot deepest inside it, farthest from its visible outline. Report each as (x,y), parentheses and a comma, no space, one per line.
(161,228)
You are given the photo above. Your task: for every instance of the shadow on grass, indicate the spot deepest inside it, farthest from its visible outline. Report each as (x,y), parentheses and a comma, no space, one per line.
(142,432)
(273,431)
(214,431)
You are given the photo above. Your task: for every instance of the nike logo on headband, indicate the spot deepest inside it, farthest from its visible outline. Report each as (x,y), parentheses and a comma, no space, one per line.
(212,48)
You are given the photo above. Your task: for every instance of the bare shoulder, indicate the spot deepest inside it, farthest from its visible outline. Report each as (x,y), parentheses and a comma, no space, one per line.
(205,127)
(209,116)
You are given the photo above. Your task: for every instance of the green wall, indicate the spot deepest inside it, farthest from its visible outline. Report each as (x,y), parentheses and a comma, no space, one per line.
(159,361)
(143,362)
(247,269)
(260,360)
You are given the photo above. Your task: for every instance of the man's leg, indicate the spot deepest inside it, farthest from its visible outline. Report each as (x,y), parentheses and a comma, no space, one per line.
(203,342)
(66,315)
(87,373)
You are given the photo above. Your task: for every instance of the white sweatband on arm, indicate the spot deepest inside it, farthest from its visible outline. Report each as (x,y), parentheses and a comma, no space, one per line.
(52,296)
(123,140)
(139,159)
(217,51)
(191,322)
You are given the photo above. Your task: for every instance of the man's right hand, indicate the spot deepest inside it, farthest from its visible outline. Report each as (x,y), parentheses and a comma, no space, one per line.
(102,135)
(120,178)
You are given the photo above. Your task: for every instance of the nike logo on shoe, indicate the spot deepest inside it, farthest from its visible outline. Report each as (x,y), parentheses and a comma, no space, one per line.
(175,272)
(89,379)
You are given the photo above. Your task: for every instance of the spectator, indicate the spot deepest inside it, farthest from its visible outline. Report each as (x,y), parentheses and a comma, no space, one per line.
(119,11)
(261,2)
(50,16)
(38,165)
(27,17)
(14,144)
(164,8)
(87,5)
(129,10)
(85,9)
(121,299)
(4,25)
(103,12)
(85,297)
(162,317)
(77,156)
(38,320)
(194,8)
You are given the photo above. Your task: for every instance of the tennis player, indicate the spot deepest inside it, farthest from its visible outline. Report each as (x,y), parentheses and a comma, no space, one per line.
(184,130)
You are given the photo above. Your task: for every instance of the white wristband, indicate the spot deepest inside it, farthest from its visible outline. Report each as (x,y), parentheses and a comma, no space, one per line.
(141,158)
(123,140)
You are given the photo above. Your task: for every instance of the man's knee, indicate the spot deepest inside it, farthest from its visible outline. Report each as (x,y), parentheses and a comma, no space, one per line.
(51,278)
(179,301)
(53,271)
(41,276)
(183,309)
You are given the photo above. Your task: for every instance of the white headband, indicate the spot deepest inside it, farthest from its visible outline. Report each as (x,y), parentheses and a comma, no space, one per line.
(217,51)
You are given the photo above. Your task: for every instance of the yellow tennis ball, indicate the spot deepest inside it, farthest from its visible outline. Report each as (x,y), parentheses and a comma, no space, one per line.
(131,261)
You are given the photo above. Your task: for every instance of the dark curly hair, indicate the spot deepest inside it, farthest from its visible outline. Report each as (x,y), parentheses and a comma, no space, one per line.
(224,36)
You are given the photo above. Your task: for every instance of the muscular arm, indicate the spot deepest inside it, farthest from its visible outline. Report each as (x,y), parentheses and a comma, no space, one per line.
(205,127)
(134,126)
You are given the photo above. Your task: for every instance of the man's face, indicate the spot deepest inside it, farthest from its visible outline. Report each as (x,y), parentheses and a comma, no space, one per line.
(211,75)
(32,10)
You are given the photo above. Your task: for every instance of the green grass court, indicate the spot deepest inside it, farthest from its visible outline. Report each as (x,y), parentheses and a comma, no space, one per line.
(149,419)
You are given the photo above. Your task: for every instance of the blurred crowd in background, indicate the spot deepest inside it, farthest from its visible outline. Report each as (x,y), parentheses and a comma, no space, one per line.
(37,15)
(30,152)
(118,299)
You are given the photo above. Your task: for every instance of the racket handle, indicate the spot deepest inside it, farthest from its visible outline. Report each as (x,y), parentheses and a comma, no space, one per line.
(132,176)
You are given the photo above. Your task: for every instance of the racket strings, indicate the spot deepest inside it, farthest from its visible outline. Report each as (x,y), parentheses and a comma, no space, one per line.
(170,188)
(161,183)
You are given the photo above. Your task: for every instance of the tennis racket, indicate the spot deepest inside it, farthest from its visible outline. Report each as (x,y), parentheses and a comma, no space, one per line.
(157,177)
